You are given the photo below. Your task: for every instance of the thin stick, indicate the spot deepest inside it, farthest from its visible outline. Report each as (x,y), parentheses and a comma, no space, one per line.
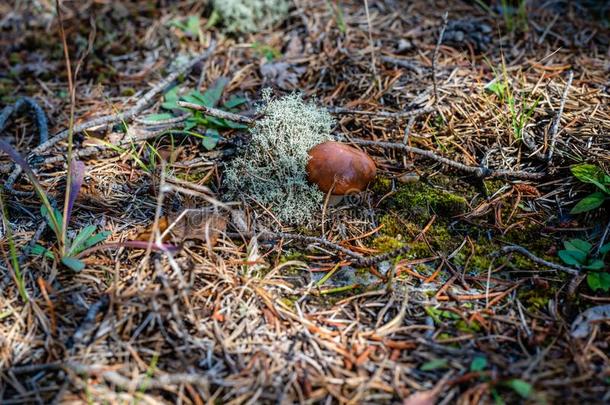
(403,63)
(401,114)
(371,44)
(435,54)
(214,112)
(555,127)
(72,92)
(603,238)
(475,170)
(142,103)
(536,259)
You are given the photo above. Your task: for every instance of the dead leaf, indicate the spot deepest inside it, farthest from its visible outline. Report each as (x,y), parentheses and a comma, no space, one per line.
(581,327)
(240,221)
(145,234)
(422,398)
(199,224)
(283,74)
(294,49)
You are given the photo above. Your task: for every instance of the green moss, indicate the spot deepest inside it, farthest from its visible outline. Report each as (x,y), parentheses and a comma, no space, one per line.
(421,201)
(381,186)
(15,58)
(492,186)
(479,259)
(385,243)
(293,256)
(536,298)
(128,91)
(468,327)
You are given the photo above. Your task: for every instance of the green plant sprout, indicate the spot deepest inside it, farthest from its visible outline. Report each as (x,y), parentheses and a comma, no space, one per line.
(14,260)
(190,26)
(67,248)
(337,12)
(210,98)
(269,52)
(515,18)
(591,174)
(520,112)
(578,253)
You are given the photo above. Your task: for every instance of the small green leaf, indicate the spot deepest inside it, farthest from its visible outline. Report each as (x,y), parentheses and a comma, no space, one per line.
(80,239)
(590,202)
(478,363)
(604,279)
(171,99)
(234,101)
(578,244)
(585,172)
(596,264)
(434,364)
(192,25)
(592,174)
(523,388)
(73,264)
(496,87)
(38,250)
(59,218)
(599,281)
(604,249)
(212,96)
(211,139)
(158,117)
(191,123)
(213,20)
(95,239)
(194,97)
(572,257)
(594,281)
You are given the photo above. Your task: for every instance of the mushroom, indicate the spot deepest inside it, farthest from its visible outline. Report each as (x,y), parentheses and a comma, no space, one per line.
(339,168)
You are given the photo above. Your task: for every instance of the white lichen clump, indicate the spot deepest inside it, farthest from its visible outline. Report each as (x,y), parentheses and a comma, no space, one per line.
(251,15)
(272,169)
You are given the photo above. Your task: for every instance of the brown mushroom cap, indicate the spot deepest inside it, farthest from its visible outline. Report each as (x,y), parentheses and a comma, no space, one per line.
(340,167)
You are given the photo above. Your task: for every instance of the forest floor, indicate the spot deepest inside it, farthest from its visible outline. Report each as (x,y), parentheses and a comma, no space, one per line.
(479,304)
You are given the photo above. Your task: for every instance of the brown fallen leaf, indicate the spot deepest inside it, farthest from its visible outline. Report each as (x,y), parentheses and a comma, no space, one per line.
(200,224)
(283,74)
(422,398)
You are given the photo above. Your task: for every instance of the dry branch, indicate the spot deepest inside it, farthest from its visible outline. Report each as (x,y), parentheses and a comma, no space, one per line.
(536,259)
(140,105)
(555,127)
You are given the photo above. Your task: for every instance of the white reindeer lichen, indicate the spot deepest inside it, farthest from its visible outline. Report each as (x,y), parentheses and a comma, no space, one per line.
(272,169)
(243,16)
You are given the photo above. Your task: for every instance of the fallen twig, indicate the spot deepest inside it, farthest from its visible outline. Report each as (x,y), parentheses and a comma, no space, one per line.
(435,54)
(555,127)
(401,114)
(88,321)
(142,103)
(215,112)
(536,259)
(403,63)
(475,170)
(37,112)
